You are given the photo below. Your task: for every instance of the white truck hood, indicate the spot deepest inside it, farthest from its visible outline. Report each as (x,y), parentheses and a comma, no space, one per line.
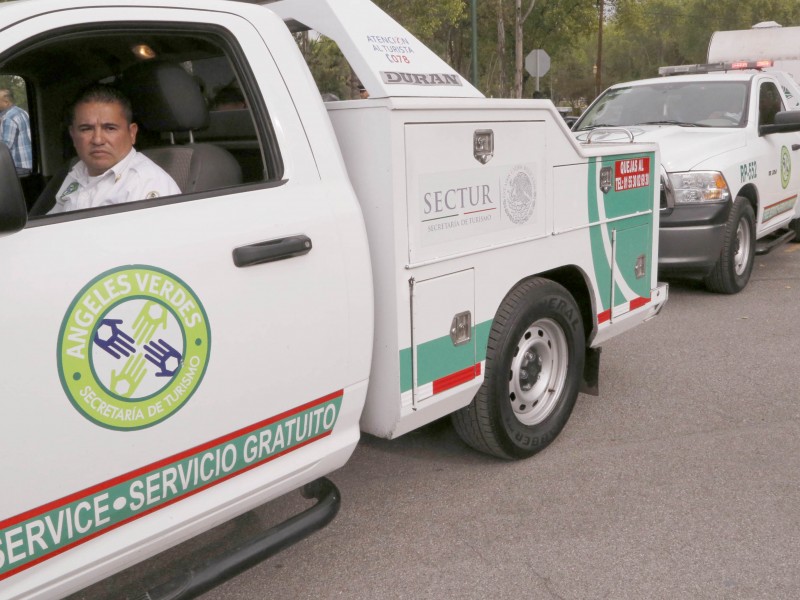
(682,148)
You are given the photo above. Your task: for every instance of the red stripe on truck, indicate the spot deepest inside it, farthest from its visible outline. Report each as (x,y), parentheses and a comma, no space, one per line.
(633,305)
(455,379)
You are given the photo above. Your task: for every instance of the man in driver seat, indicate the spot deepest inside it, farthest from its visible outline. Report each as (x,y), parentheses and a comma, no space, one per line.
(110,171)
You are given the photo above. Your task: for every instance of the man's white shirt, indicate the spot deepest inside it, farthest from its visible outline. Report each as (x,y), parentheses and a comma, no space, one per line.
(135,177)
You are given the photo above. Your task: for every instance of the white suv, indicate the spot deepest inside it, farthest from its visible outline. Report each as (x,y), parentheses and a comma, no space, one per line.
(728,135)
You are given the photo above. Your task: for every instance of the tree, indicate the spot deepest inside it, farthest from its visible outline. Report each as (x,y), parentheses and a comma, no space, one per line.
(572,78)
(643,35)
(561,28)
(639,36)
(703,17)
(519,33)
(558,27)
(501,47)
(432,21)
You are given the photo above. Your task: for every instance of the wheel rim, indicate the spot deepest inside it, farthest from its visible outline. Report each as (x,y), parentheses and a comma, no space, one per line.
(742,248)
(538,371)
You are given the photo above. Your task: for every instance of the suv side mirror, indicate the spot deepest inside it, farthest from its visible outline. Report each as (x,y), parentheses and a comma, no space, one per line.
(786,121)
(13,210)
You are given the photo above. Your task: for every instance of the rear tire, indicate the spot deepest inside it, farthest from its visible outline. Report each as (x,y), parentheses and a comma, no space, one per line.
(732,271)
(534,363)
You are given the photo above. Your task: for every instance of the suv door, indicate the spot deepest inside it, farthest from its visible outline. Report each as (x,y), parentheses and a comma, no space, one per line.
(162,370)
(778,181)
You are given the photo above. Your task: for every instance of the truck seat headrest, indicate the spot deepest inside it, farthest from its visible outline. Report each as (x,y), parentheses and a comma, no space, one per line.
(165,97)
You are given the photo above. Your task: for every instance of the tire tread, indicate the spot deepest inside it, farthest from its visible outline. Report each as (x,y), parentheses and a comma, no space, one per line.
(473,423)
(722,278)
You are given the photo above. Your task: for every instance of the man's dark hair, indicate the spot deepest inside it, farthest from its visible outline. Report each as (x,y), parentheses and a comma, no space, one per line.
(106,94)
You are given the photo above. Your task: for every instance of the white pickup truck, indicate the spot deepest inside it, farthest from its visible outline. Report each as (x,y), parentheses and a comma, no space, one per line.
(363,265)
(729,135)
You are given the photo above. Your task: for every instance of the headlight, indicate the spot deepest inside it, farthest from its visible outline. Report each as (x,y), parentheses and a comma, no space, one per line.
(699,186)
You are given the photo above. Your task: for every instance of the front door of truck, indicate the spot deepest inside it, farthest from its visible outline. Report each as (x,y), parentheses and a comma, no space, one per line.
(778,170)
(154,351)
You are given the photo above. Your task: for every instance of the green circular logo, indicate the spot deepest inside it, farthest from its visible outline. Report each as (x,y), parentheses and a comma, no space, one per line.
(786,167)
(133,347)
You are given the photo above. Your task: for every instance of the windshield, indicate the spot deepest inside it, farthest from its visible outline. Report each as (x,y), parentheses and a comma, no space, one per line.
(690,104)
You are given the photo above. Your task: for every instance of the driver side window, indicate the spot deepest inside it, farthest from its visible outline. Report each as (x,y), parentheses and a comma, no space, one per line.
(769,103)
(184,125)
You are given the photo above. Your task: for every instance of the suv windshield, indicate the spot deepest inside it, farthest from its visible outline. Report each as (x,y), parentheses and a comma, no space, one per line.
(690,104)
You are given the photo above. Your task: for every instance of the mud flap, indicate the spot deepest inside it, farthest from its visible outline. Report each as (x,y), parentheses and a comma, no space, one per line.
(590,383)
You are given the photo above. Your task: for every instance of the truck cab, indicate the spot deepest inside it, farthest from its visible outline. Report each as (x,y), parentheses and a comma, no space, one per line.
(255,280)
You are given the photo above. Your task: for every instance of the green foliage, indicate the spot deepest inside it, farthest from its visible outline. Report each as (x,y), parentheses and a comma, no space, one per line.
(558,27)
(641,35)
(330,69)
(641,38)
(703,17)
(638,37)
(572,80)
(426,19)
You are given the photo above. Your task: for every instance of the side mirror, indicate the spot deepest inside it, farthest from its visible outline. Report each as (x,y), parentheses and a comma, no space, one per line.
(786,121)
(13,210)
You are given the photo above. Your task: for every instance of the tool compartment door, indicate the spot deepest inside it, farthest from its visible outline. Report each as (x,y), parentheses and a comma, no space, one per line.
(473,185)
(444,354)
(631,251)
(621,213)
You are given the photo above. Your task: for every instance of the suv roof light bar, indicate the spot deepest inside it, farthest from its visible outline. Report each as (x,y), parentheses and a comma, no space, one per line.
(738,65)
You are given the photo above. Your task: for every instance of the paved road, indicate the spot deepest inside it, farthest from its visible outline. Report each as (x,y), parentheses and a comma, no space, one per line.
(679,481)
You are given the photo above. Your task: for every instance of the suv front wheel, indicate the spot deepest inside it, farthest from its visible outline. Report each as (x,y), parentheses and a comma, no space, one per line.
(732,271)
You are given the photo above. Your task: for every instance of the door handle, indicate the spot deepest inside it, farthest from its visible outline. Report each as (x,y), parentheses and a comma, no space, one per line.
(272,250)
(795,147)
